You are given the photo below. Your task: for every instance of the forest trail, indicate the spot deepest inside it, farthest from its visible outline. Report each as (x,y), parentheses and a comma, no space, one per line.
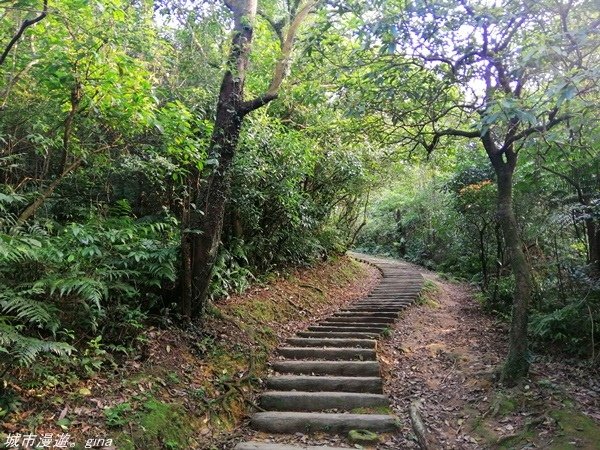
(329,379)
(446,353)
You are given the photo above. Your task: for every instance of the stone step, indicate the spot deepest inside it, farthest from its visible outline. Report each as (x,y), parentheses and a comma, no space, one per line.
(396,295)
(363,319)
(343,368)
(272,446)
(337,334)
(376,300)
(382,304)
(381,307)
(388,299)
(399,274)
(312,383)
(306,422)
(393,288)
(388,309)
(399,285)
(394,292)
(356,323)
(346,329)
(393,315)
(332,342)
(330,353)
(402,288)
(320,401)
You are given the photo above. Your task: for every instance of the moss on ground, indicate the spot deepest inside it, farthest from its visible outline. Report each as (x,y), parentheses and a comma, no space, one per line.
(428,294)
(577,430)
(363,437)
(374,410)
(574,430)
(504,404)
(158,425)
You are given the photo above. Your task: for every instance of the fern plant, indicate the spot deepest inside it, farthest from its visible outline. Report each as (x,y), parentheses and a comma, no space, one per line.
(17,348)
(74,276)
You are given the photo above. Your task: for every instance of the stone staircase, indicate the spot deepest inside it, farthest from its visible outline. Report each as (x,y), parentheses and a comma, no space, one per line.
(331,369)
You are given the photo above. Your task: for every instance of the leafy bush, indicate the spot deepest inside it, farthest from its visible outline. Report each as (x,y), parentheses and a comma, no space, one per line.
(568,327)
(78,276)
(230,271)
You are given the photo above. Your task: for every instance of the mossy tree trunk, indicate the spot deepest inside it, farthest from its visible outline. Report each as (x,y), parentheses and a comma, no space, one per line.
(202,239)
(504,162)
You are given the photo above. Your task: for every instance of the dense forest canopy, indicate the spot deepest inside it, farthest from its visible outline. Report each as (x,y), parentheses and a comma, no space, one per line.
(156,156)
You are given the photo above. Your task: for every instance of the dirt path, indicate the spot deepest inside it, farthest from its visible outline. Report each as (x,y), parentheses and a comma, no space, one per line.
(445,353)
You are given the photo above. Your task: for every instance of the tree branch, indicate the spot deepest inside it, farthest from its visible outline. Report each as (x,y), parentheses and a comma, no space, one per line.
(538,129)
(460,133)
(450,132)
(276,26)
(568,179)
(283,63)
(26,24)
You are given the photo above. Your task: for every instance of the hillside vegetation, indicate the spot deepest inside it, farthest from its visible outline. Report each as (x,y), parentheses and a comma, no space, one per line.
(158,157)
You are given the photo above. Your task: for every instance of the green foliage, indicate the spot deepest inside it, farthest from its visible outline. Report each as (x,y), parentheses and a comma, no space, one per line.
(117,416)
(285,202)
(92,357)
(569,325)
(100,268)
(446,221)
(231,274)
(18,348)
(415,220)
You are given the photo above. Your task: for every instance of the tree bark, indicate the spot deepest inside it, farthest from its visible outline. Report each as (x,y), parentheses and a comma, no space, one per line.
(483,257)
(207,227)
(516,365)
(76,96)
(207,220)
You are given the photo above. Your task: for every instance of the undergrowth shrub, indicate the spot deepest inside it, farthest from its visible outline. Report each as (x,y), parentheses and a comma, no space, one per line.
(450,225)
(570,323)
(81,276)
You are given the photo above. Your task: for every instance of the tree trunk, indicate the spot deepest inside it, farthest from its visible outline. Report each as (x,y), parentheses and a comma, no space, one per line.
(483,257)
(207,228)
(207,220)
(593,240)
(517,361)
(185,304)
